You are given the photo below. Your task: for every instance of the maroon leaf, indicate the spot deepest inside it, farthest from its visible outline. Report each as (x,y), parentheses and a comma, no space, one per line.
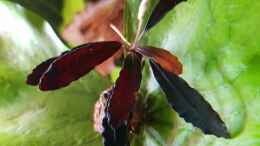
(34,77)
(125,90)
(38,71)
(189,103)
(76,63)
(160,10)
(166,60)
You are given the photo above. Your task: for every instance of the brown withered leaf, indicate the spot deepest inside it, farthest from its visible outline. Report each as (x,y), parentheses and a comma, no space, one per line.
(111,136)
(100,110)
(92,25)
(166,60)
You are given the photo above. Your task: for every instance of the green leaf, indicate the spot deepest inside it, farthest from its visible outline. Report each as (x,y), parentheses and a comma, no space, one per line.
(157,123)
(70,9)
(217,42)
(58,13)
(30,117)
(161,118)
(130,17)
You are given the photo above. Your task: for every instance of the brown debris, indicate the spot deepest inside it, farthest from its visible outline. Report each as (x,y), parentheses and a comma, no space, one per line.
(92,25)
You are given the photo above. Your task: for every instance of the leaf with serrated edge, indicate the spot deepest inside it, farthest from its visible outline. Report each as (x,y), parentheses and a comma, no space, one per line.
(189,103)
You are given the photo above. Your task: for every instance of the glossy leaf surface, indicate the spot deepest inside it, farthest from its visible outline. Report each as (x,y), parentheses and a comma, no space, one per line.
(130,16)
(76,63)
(189,103)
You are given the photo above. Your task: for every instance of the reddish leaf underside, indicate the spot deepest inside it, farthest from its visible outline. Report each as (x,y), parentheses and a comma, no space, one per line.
(164,58)
(125,90)
(73,64)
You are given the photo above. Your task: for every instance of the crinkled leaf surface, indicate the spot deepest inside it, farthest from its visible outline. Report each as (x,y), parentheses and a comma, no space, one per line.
(217,42)
(30,117)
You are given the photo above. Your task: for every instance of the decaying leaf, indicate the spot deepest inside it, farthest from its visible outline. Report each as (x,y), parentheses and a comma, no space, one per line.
(100,110)
(111,136)
(92,25)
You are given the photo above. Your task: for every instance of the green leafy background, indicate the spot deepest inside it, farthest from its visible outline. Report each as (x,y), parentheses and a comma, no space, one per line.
(30,117)
(216,40)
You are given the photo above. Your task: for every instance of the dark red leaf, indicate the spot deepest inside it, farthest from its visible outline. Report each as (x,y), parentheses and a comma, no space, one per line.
(125,90)
(38,71)
(189,103)
(34,77)
(160,10)
(166,60)
(76,63)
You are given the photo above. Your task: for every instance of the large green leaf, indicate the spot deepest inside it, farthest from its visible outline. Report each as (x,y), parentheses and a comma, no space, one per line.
(30,117)
(58,13)
(217,42)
